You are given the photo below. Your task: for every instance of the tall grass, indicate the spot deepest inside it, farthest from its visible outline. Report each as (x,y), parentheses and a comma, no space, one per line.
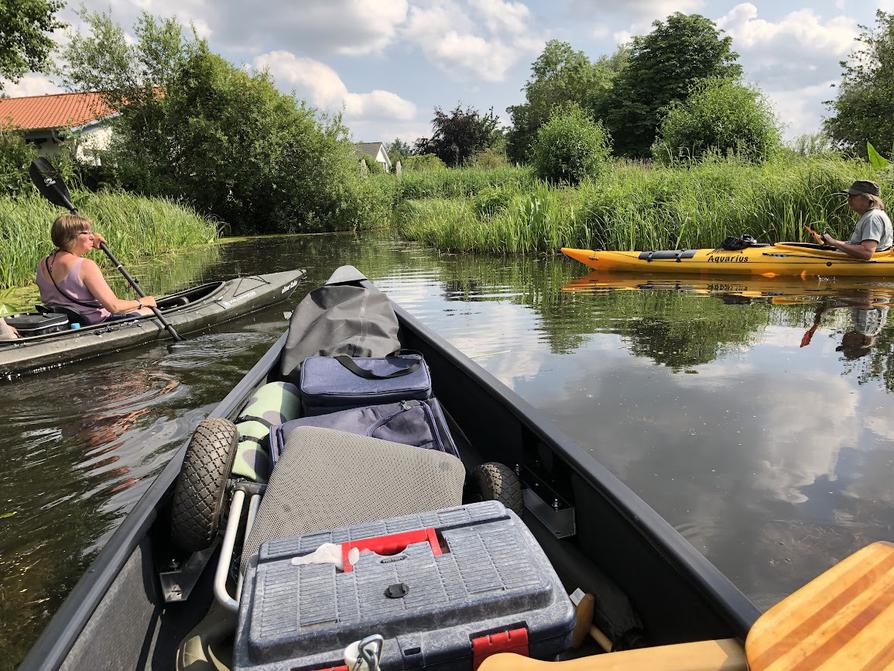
(637,206)
(134,227)
(459,183)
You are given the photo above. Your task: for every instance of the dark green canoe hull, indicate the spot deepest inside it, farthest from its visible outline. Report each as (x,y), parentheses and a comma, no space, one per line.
(187,311)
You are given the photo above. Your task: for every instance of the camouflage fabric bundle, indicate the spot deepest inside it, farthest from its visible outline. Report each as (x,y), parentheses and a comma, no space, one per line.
(271,405)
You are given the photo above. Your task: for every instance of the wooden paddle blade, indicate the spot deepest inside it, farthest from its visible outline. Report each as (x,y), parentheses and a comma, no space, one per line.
(721,655)
(808,336)
(842,619)
(47,180)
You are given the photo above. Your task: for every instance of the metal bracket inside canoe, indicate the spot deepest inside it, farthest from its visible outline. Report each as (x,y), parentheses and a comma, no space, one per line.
(557,517)
(177,584)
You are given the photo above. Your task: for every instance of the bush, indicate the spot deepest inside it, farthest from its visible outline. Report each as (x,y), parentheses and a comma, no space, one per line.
(493,157)
(373,167)
(723,117)
(422,163)
(490,201)
(15,157)
(570,147)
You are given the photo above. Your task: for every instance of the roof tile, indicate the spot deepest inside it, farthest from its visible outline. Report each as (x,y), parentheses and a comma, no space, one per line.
(61,110)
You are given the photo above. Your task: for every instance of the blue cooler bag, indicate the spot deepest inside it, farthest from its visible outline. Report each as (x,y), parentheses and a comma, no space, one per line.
(418,423)
(330,383)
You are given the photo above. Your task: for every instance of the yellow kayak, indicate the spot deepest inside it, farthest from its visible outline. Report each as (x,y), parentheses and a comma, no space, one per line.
(783,259)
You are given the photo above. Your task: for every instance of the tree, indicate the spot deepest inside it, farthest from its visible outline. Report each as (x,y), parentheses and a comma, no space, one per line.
(662,67)
(15,157)
(720,116)
(196,128)
(24,42)
(132,78)
(459,134)
(570,147)
(398,150)
(862,108)
(560,75)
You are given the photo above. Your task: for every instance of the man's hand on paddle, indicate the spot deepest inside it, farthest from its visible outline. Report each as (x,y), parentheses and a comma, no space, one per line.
(817,236)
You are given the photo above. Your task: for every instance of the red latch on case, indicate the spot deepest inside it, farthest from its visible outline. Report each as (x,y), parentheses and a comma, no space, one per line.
(511,640)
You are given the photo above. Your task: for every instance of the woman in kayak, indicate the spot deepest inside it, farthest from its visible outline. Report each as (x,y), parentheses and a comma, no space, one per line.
(67,279)
(873,230)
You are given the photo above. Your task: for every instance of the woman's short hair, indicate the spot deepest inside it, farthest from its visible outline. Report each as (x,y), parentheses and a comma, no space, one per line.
(66,228)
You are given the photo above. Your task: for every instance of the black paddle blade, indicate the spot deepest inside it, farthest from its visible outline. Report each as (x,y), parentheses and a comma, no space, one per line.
(48,181)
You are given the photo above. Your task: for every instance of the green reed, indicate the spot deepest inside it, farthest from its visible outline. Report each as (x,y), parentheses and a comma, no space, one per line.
(638,206)
(134,227)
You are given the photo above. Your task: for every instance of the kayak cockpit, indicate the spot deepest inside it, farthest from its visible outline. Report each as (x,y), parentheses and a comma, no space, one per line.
(54,322)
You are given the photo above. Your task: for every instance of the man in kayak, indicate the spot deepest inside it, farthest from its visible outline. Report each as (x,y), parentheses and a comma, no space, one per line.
(68,280)
(873,230)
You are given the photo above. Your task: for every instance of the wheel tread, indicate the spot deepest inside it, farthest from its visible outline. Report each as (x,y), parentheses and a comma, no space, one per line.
(198,493)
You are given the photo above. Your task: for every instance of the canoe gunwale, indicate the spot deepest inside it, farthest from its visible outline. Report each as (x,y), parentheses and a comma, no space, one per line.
(675,550)
(694,570)
(57,639)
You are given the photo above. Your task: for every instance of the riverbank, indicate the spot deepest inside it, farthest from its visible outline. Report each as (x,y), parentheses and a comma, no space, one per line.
(632,206)
(135,228)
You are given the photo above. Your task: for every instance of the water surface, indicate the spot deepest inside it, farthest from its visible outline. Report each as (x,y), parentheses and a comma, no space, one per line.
(754,416)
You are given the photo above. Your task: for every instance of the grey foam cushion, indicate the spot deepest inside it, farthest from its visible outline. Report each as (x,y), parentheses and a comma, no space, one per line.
(328,479)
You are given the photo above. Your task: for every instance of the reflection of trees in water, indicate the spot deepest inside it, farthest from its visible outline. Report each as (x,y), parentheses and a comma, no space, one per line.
(878,362)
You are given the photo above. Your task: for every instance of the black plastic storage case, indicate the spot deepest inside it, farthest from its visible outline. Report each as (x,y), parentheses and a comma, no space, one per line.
(38,324)
(462,584)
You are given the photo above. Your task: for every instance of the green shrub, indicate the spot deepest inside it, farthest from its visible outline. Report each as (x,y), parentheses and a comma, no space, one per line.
(722,117)
(489,201)
(492,157)
(372,165)
(460,182)
(636,206)
(570,147)
(422,163)
(15,157)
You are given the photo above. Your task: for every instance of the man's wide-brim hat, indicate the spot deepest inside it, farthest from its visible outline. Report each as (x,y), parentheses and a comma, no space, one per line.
(864,187)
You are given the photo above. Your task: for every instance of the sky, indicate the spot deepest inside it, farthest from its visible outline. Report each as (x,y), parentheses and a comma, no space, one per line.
(386,64)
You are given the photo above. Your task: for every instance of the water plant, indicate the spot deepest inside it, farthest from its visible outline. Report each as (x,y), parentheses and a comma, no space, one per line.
(637,205)
(135,227)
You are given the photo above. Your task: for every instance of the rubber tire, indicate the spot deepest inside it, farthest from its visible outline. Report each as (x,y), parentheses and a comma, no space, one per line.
(201,485)
(498,482)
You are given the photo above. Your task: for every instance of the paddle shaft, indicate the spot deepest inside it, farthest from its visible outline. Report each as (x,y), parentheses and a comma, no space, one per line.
(51,186)
(136,287)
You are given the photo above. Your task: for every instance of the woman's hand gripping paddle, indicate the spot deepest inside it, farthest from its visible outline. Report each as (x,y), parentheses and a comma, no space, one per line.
(48,181)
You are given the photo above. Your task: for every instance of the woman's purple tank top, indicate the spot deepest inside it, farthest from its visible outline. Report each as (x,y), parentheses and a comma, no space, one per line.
(71,285)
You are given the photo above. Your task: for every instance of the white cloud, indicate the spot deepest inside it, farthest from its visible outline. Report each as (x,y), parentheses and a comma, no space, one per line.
(643,12)
(321,86)
(801,48)
(501,16)
(791,59)
(483,49)
(800,110)
(30,85)
(350,27)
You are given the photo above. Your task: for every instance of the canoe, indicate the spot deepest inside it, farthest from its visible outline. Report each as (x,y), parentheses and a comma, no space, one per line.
(188,310)
(652,586)
(783,259)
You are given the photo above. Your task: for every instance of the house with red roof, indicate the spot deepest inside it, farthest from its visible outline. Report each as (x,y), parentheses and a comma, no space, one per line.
(50,120)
